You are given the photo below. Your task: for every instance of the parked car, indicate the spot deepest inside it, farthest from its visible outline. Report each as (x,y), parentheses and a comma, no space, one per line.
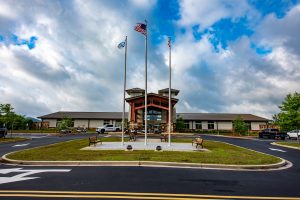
(80,130)
(65,131)
(293,134)
(3,132)
(108,128)
(157,129)
(272,133)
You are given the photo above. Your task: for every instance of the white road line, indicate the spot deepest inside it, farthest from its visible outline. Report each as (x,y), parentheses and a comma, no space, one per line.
(24,173)
(277,150)
(38,136)
(21,145)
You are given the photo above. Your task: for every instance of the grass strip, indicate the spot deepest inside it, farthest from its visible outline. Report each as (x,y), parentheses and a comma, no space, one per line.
(292,144)
(220,153)
(14,139)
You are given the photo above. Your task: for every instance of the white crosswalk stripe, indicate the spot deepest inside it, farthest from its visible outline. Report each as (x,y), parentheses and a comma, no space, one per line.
(277,150)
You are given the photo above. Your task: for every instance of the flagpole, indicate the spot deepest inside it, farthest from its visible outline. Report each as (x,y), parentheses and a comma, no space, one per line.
(123,114)
(170,106)
(146,45)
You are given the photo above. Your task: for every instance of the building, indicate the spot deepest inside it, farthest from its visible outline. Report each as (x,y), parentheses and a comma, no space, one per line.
(197,121)
(158,109)
(83,119)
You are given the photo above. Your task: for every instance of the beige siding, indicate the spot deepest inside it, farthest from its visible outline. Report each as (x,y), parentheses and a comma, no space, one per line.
(113,122)
(139,116)
(204,125)
(194,125)
(174,115)
(224,125)
(255,125)
(190,124)
(52,122)
(95,123)
(129,113)
(81,123)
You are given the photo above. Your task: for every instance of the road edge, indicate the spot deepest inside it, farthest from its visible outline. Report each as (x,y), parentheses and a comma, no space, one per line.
(229,136)
(286,146)
(283,164)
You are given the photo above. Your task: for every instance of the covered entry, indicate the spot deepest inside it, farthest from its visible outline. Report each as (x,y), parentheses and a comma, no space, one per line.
(157,111)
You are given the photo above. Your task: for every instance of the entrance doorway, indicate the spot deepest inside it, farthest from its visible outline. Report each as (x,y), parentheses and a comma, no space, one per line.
(154,120)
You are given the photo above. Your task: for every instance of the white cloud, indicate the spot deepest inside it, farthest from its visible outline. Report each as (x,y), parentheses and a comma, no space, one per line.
(274,32)
(143,3)
(76,65)
(5,11)
(206,13)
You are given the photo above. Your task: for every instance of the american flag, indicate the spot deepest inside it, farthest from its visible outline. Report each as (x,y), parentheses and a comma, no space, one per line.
(169,42)
(142,28)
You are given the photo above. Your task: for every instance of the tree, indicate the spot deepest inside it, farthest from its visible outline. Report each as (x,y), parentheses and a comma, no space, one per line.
(65,123)
(11,120)
(289,117)
(126,124)
(239,126)
(7,115)
(179,124)
(6,109)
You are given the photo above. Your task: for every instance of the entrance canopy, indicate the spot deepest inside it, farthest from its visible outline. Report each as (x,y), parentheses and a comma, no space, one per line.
(157,109)
(153,99)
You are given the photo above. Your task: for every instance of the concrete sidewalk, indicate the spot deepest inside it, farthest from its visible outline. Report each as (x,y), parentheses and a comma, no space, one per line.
(140,145)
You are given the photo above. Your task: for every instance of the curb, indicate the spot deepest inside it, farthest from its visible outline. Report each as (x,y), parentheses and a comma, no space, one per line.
(286,146)
(283,164)
(234,137)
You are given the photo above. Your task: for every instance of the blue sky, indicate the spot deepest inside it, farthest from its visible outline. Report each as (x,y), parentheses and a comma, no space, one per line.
(238,56)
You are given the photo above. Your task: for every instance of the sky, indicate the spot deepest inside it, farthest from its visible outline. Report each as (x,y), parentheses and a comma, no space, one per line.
(228,56)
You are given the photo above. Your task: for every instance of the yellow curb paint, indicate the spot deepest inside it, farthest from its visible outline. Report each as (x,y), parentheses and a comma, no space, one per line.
(98,197)
(131,195)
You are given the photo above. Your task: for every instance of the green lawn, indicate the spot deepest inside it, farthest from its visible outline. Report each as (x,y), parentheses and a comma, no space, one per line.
(52,130)
(14,139)
(293,144)
(35,131)
(220,153)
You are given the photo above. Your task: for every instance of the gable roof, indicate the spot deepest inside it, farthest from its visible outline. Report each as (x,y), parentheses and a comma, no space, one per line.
(84,115)
(185,116)
(220,117)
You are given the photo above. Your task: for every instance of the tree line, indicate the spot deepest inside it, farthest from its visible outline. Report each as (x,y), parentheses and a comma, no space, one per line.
(12,121)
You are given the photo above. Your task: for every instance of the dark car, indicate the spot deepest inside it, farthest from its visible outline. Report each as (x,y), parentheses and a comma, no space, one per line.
(272,133)
(3,132)
(65,131)
(80,130)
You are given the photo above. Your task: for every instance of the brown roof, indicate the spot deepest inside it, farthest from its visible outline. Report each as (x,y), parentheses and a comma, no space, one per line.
(185,116)
(220,117)
(84,115)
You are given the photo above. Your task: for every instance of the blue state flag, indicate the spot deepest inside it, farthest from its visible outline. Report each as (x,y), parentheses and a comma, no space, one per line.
(122,44)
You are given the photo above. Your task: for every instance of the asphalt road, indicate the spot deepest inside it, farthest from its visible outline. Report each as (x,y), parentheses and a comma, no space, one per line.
(124,182)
